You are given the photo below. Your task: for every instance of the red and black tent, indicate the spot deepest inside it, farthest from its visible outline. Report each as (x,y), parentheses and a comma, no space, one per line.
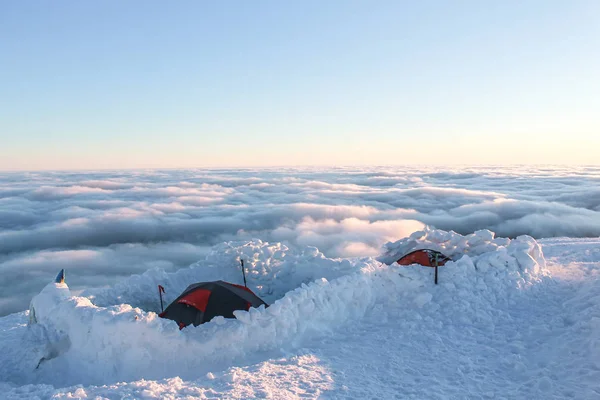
(426,258)
(201,302)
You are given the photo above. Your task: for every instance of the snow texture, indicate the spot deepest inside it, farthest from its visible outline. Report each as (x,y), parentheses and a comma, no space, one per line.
(502,323)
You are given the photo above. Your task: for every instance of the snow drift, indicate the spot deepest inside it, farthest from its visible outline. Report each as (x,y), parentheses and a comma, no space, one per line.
(99,338)
(272,269)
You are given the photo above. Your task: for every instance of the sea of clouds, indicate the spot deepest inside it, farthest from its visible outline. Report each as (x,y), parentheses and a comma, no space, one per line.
(102,226)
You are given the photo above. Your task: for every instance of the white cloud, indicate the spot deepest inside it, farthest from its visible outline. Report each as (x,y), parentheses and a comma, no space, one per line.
(108,224)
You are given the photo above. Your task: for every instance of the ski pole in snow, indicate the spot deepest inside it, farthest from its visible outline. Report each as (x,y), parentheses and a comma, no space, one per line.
(161,290)
(243,272)
(436,269)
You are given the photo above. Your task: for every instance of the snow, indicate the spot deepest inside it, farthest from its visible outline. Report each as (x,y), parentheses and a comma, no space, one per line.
(509,319)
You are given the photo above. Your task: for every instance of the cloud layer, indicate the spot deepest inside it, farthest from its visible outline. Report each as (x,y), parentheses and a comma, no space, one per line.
(104,225)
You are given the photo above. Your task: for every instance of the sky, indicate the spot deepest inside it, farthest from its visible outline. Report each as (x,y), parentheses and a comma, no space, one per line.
(148,84)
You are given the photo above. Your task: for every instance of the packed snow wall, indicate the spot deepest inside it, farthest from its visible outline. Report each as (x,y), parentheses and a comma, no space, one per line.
(102,338)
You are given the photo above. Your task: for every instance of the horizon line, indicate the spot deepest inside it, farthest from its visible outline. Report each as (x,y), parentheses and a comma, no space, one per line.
(300,166)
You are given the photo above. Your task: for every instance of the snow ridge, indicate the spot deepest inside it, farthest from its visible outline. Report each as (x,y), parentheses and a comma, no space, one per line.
(101,340)
(272,269)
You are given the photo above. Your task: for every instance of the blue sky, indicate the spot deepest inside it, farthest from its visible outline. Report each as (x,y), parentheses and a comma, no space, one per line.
(194,84)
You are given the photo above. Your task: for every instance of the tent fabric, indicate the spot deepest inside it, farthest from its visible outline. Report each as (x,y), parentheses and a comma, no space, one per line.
(198,299)
(201,302)
(425,257)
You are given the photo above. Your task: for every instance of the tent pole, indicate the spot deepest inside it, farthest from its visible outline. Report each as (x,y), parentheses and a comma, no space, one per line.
(161,290)
(243,272)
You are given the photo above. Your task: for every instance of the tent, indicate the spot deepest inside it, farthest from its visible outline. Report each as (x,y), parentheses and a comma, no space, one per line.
(200,302)
(426,258)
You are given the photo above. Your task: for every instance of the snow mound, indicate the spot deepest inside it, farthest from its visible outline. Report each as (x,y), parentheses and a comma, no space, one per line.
(521,258)
(312,296)
(126,343)
(272,269)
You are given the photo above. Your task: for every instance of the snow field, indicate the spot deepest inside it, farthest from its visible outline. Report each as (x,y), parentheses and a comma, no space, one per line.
(498,325)
(140,345)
